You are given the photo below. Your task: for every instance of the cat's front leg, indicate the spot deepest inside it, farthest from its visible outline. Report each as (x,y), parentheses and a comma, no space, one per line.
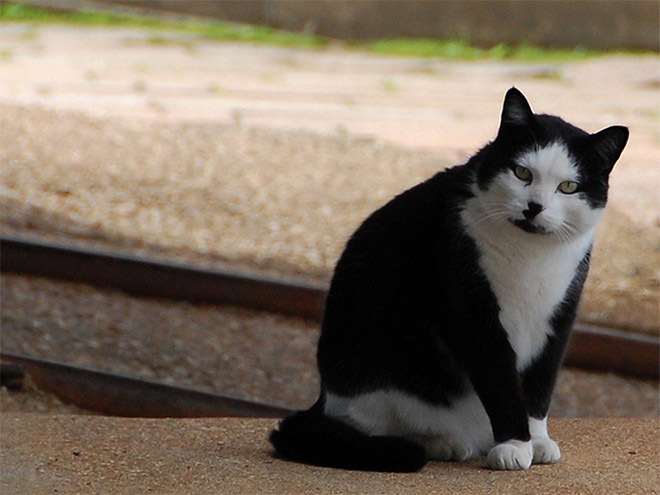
(516,454)
(511,455)
(546,450)
(492,371)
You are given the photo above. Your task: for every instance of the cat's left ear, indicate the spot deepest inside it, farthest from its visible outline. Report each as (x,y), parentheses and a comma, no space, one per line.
(516,110)
(609,144)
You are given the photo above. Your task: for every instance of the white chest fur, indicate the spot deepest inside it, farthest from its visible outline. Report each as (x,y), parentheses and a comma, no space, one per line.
(529,274)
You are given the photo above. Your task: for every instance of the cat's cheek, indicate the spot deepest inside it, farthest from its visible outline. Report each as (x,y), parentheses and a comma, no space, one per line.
(509,193)
(590,217)
(581,216)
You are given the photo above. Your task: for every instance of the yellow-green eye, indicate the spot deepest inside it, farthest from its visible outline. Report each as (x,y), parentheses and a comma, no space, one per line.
(568,187)
(523,173)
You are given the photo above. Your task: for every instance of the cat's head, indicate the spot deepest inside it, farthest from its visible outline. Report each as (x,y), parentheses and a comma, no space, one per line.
(543,175)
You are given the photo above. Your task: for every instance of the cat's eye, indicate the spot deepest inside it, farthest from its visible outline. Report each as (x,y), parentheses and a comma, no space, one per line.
(523,173)
(569,187)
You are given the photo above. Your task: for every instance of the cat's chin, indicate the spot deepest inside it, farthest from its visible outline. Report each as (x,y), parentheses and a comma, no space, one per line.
(529,227)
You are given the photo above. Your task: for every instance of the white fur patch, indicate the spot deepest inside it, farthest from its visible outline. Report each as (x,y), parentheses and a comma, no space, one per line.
(546,450)
(464,427)
(512,455)
(538,428)
(454,433)
(530,272)
(552,164)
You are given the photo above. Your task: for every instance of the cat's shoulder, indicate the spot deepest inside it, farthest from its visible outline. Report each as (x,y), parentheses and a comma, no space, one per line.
(427,199)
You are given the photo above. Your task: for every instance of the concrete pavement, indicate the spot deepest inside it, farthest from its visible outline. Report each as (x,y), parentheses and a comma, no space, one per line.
(92,454)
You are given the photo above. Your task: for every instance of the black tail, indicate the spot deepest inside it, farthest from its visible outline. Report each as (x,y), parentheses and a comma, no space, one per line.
(312,437)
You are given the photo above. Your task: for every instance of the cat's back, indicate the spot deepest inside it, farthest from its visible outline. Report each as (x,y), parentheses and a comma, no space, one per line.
(414,219)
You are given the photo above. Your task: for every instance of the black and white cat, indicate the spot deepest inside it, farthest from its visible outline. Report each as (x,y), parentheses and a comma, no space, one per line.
(450,308)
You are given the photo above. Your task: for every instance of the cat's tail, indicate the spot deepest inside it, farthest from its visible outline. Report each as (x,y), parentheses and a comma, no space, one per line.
(311,437)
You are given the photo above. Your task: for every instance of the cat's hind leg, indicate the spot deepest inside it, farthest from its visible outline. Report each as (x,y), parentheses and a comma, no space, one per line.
(444,448)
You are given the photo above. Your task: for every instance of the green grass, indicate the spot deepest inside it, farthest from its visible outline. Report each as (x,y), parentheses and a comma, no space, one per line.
(11,11)
(6,54)
(214,30)
(226,31)
(462,50)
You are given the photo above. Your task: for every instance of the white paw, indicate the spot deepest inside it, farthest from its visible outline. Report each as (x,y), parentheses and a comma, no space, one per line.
(447,449)
(512,455)
(546,450)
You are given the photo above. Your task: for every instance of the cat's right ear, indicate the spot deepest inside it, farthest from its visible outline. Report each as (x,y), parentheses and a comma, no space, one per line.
(609,144)
(516,111)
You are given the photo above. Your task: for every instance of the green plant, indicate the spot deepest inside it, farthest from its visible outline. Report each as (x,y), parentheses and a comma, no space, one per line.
(462,50)
(215,30)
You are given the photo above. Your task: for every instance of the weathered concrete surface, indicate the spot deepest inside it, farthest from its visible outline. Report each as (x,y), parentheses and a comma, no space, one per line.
(93,454)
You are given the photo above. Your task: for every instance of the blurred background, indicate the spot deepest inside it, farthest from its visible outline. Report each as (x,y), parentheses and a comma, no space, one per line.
(254,136)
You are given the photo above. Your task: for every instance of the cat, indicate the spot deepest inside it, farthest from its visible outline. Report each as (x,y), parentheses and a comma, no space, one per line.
(450,308)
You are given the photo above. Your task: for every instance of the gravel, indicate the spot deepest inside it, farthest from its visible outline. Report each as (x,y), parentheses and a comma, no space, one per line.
(266,198)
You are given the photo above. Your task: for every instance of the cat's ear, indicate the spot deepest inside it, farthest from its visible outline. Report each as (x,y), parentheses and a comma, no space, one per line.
(609,144)
(516,110)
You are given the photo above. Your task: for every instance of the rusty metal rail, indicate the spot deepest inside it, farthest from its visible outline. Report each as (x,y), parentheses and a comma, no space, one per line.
(120,395)
(604,349)
(591,347)
(159,279)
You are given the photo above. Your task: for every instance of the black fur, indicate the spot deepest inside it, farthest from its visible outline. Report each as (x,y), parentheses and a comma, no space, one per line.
(313,438)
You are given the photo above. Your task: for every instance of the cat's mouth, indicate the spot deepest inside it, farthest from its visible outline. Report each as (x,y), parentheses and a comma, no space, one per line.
(528,226)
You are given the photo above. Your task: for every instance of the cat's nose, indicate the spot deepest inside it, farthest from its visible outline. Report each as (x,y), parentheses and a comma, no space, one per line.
(532,210)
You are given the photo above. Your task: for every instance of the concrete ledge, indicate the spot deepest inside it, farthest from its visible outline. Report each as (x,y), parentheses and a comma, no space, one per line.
(95,454)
